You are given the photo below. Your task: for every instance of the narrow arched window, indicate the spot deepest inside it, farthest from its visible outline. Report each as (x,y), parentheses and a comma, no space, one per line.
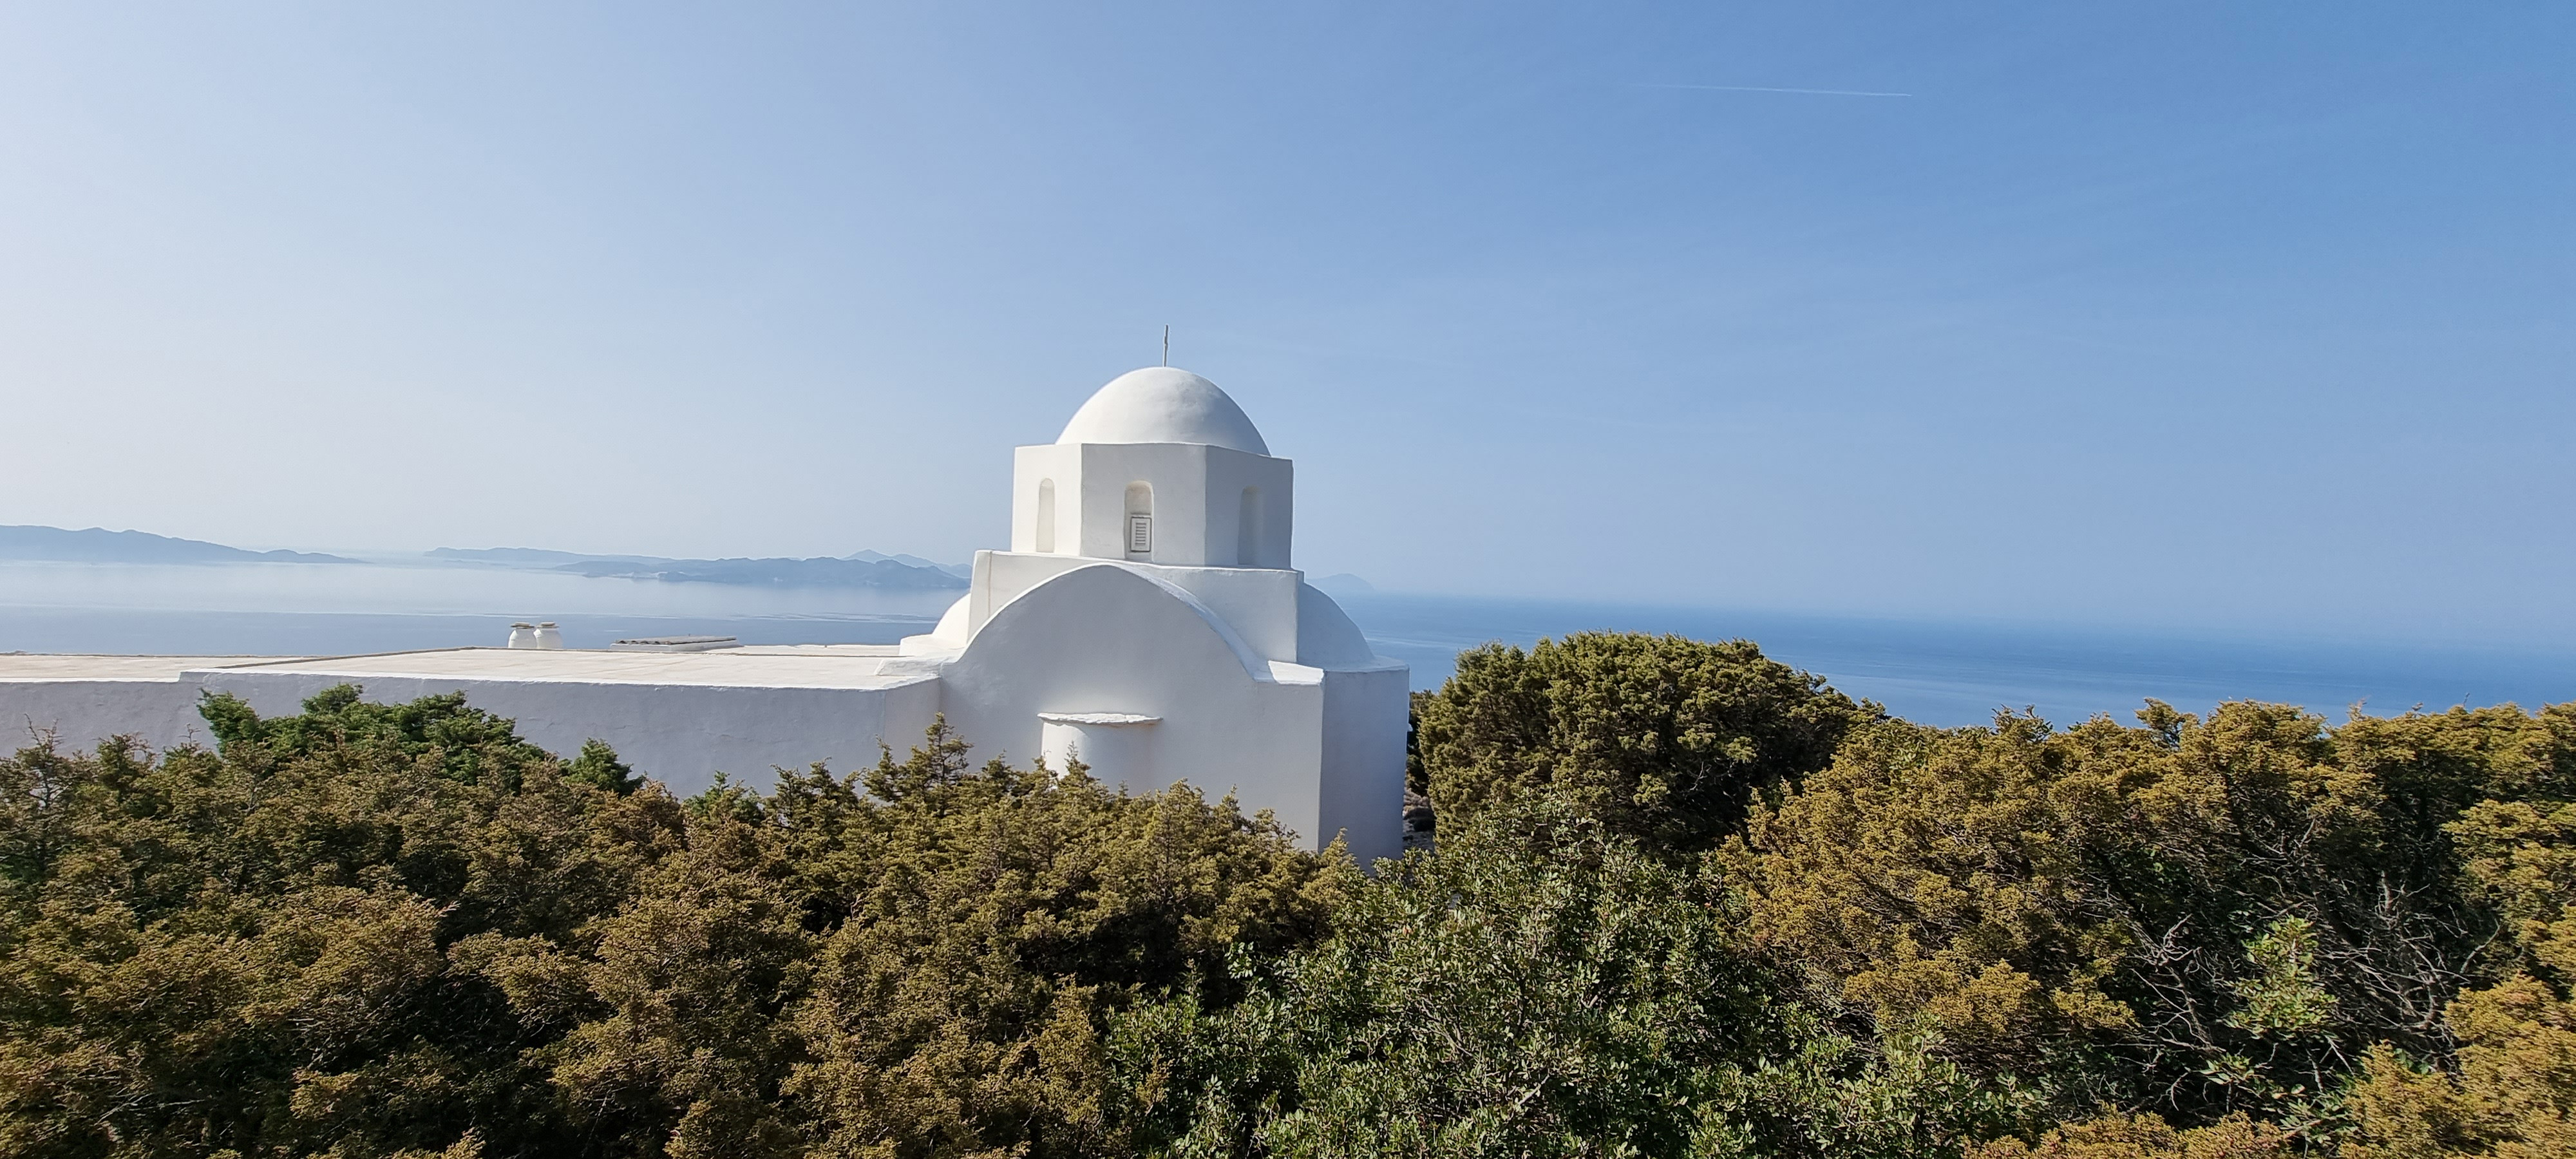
(1046,515)
(1140,520)
(1247,529)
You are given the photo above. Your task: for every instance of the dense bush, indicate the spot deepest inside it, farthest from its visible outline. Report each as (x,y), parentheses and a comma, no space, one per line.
(257,950)
(994,919)
(1685,902)
(1541,986)
(1662,738)
(2192,917)
(379,930)
(2513,1090)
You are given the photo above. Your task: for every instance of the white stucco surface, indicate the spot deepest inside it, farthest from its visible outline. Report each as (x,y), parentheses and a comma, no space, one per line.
(1114,746)
(1163,404)
(1105,639)
(1211,506)
(733,667)
(1145,618)
(81,700)
(21,667)
(680,724)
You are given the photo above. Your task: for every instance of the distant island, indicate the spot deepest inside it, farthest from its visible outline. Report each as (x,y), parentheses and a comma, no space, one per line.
(1345,584)
(99,545)
(866,569)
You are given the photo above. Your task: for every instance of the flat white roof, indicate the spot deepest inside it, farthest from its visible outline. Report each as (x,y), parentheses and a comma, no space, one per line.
(23,666)
(799,666)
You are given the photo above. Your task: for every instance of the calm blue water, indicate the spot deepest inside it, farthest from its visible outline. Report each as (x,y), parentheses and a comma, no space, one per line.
(1961,672)
(1931,671)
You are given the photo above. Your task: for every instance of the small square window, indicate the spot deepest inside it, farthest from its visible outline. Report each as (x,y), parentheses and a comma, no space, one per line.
(1140,533)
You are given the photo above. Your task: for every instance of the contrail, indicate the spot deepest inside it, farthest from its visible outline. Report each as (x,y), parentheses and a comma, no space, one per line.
(1759,89)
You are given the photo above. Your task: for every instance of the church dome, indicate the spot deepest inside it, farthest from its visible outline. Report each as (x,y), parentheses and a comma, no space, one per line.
(1163,404)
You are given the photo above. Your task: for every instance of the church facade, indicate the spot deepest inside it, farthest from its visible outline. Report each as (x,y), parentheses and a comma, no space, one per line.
(1146,620)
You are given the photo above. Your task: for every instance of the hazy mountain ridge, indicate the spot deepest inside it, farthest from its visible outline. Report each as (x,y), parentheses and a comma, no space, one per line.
(531,557)
(33,543)
(1344,584)
(960,570)
(866,569)
(98,545)
(817,572)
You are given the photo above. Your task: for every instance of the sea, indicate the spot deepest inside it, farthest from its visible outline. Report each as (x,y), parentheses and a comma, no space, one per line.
(1943,672)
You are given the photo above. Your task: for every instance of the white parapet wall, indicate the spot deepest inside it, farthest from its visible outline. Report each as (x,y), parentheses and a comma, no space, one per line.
(679,718)
(681,734)
(79,701)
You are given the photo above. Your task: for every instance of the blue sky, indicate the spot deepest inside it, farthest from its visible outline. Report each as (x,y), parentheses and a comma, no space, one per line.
(2229,316)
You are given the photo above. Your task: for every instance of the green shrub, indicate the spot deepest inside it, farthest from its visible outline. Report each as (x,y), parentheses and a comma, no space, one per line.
(2194,917)
(1541,986)
(380,930)
(1662,738)
(252,951)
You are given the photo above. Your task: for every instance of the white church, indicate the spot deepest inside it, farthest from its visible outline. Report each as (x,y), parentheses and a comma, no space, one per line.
(1146,619)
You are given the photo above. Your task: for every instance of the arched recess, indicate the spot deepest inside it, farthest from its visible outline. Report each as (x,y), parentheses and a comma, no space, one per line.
(1247,530)
(1137,530)
(1046,516)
